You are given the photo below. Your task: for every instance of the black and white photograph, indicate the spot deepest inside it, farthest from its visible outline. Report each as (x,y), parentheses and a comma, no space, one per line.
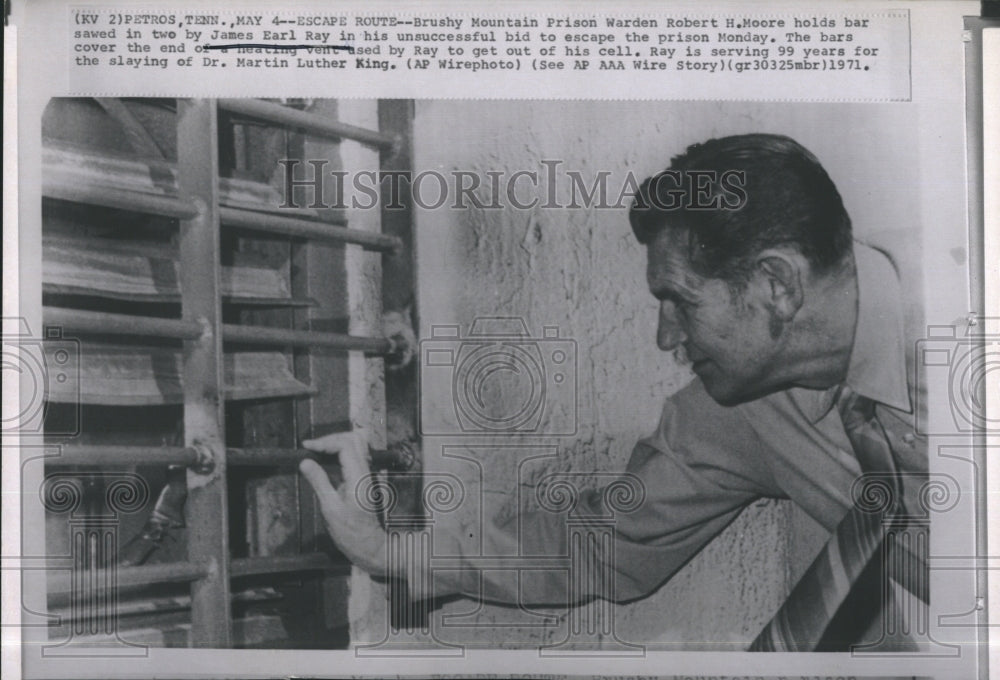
(491,384)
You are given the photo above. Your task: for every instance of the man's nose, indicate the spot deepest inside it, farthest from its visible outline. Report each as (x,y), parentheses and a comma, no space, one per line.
(669,333)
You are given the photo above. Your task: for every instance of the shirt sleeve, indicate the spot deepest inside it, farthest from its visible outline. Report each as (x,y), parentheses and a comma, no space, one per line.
(691,478)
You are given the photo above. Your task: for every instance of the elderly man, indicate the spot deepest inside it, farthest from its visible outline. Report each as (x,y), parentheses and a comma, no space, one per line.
(795,334)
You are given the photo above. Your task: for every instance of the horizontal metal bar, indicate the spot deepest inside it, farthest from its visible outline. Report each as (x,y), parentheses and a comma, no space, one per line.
(142,605)
(82,321)
(60,579)
(334,216)
(253,566)
(235,298)
(60,582)
(173,298)
(282,115)
(295,226)
(262,335)
(123,199)
(77,455)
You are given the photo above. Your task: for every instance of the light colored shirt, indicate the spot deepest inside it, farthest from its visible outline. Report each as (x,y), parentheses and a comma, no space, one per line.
(706,462)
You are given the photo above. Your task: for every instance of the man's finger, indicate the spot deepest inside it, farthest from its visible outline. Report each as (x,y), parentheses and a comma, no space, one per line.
(354,461)
(329,500)
(331,443)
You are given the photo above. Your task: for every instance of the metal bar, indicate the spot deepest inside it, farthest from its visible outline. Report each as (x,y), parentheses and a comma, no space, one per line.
(275,113)
(70,455)
(81,321)
(123,199)
(262,335)
(207,508)
(99,456)
(319,231)
(231,214)
(60,584)
(60,581)
(228,298)
(329,215)
(138,606)
(253,566)
(398,283)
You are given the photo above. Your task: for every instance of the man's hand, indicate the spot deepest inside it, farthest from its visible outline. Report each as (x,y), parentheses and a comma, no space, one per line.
(356,531)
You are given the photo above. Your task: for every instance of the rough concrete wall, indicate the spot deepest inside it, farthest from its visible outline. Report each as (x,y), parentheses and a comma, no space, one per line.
(366,383)
(582,271)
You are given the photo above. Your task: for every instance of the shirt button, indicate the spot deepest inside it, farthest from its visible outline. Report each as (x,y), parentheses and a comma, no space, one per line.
(909,438)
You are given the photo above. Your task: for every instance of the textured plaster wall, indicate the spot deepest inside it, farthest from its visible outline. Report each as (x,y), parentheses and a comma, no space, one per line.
(365,380)
(581,270)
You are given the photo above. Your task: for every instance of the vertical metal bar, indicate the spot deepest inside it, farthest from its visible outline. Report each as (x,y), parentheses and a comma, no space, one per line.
(398,291)
(206,510)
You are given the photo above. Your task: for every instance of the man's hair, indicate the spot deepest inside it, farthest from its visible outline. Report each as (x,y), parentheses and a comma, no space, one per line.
(767,191)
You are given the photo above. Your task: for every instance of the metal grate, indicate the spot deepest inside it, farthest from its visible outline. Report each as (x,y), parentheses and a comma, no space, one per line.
(189,192)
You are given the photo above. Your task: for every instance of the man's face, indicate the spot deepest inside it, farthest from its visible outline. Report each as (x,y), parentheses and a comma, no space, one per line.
(725,336)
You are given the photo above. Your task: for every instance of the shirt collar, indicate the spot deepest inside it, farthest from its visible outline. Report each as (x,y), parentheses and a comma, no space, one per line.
(877,367)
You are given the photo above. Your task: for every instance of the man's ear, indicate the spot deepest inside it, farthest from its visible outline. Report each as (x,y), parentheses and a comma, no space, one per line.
(779,275)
